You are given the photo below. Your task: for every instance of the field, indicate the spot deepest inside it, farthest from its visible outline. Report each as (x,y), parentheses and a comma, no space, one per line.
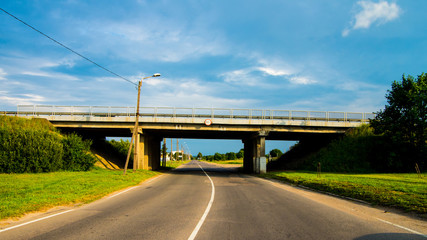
(23,193)
(404,191)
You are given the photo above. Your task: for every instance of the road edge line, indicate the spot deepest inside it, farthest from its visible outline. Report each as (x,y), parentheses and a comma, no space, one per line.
(36,220)
(402,227)
(208,208)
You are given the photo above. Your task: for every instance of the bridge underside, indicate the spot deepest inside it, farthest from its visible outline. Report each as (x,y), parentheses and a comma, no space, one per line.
(151,134)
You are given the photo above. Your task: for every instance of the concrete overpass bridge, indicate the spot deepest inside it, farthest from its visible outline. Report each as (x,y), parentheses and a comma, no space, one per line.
(252,126)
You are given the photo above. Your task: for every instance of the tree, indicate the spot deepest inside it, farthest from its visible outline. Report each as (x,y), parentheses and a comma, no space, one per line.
(275,153)
(199,156)
(218,156)
(240,154)
(404,120)
(230,156)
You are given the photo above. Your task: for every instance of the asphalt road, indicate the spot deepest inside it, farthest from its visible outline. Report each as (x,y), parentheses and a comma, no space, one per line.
(242,207)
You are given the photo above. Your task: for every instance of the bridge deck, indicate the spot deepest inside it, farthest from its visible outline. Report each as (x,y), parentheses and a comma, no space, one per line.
(195,115)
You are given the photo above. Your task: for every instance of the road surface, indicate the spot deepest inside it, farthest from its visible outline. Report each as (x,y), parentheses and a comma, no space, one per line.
(217,203)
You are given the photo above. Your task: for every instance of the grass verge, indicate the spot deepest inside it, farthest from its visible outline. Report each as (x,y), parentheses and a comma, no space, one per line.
(237,161)
(404,191)
(174,164)
(24,193)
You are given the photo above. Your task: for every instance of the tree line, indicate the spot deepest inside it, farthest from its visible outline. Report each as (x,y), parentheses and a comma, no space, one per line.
(275,153)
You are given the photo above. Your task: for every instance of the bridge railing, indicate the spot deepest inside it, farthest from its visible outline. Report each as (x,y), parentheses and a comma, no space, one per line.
(190,113)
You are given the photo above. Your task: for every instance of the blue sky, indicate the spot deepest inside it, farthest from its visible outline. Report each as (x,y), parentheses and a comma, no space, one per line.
(330,55)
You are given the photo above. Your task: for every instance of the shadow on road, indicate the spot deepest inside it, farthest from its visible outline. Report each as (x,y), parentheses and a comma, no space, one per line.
(391,236)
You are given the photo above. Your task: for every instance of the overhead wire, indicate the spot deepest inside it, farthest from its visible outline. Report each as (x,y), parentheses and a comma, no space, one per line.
(68,48)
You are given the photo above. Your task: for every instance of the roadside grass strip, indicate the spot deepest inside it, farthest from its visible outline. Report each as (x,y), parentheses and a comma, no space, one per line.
(174,164)
(25,193)
(237,161)
(403,191)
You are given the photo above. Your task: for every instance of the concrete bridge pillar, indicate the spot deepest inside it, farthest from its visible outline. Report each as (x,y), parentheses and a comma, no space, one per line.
(254,160)
(148,155)
(248,155)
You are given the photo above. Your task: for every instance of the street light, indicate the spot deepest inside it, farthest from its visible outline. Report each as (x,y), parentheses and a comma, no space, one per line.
(135,130)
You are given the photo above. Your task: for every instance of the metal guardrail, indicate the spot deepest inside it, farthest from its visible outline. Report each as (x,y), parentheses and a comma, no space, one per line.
(191,113)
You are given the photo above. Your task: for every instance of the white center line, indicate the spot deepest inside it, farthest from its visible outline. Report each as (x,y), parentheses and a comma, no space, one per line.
(202,220)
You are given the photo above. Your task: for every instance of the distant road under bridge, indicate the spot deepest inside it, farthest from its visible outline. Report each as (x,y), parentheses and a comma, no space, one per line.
(252,126)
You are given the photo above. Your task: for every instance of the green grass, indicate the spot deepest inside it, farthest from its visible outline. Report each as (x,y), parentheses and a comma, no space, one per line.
(173,164)
(404,191)
(23,193)
(237,161)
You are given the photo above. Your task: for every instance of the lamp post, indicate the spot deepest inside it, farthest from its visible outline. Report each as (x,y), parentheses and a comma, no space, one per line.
(135,130)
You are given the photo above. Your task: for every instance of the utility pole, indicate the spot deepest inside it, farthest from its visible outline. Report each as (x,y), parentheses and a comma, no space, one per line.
(171,149)
(164,152)
(177,149)
(135,130)
(134,135)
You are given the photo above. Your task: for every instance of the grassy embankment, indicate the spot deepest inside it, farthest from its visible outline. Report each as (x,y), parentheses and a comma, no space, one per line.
(404,191)
(29,192)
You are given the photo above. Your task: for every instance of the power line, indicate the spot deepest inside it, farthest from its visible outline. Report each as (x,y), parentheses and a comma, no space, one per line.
(69,49)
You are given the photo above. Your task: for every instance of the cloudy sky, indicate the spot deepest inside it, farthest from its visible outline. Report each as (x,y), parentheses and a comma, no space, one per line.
(330,55)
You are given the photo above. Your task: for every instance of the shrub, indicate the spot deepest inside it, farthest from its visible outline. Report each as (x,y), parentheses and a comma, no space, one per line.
(121,148)
(77,155)
(34,145)
(360,150)
(30,151)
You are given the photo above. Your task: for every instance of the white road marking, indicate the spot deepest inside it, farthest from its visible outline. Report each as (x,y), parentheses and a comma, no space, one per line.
(146,182)
(117,194)
(43,218)
(202,220)
(23,224)
(402,227)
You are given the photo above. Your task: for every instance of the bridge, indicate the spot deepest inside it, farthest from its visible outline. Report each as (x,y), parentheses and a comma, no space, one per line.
(252,126)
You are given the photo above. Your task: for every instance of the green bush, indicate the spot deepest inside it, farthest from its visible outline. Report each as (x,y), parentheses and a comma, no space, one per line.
(121,148)
(77,155)
(34,145)
(359,151)
(29,151)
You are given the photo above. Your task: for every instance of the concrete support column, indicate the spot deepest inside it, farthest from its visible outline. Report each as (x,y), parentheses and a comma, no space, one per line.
(260,164)
(138,160)
(248,155)
(254,160)
(145,151)
(148,156)
(155,153)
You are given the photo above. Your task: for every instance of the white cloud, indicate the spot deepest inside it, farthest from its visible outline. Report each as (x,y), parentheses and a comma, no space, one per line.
(273,72)
(373,12)
(161,40)
(275,66)
(272,67)
(190,93)
(21,99)
(243,77)
(50,75)
(301,80)
(23,64)
(193,99)
(2,74)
